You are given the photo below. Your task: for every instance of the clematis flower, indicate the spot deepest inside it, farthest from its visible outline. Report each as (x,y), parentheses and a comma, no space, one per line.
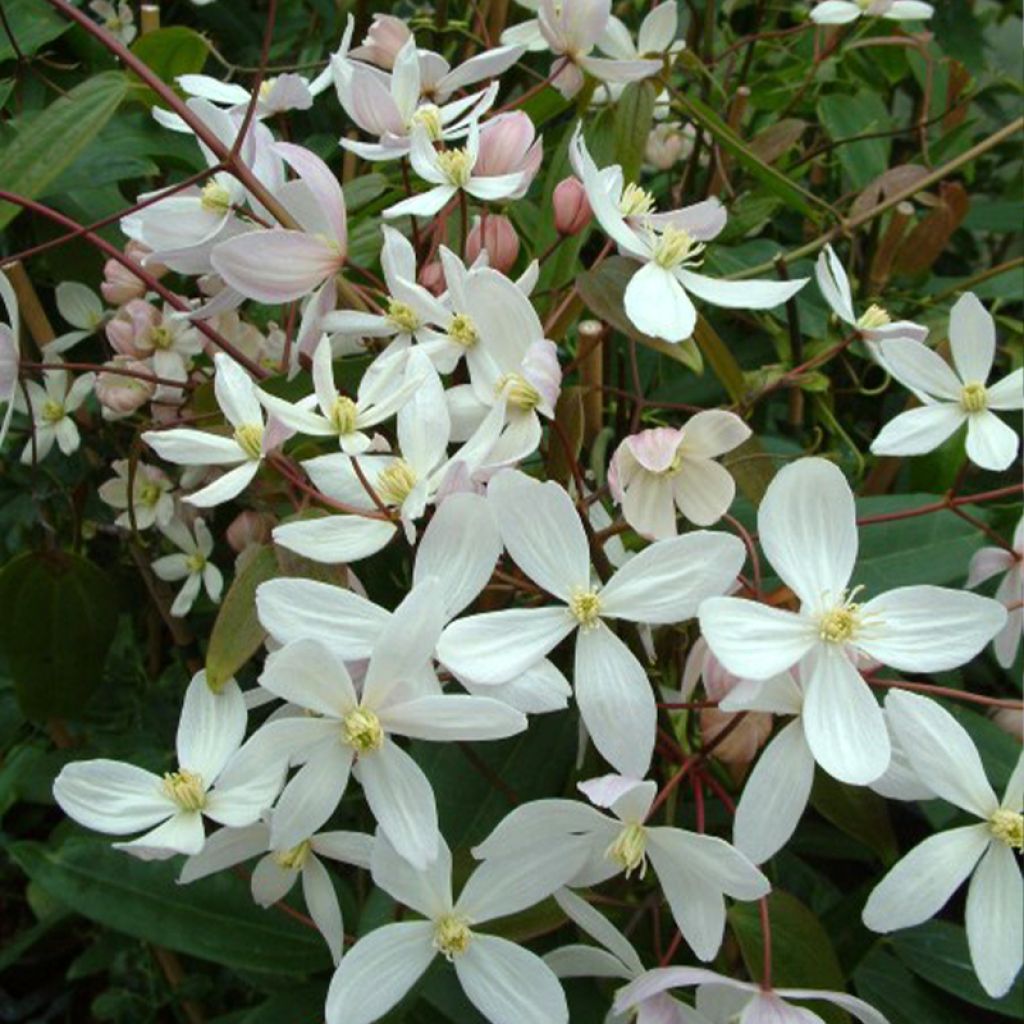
(841,12)
(117,18)
(989,562)
(244,449)
(352,732)
(502,979)
(277,93)
(509,145)
(451,171)
(722,1000)
(151,501)
(192,564)
(696,872)
(379,397)
(657,471)
(119,394)
(50,406)
(280,264)
(81,307)
(278,870)
(664,583)
(571,31)
(953,399)
(615,958)
(217,777)
(669,246)
(656,36)
(807,523)
(941,751)
(10,356)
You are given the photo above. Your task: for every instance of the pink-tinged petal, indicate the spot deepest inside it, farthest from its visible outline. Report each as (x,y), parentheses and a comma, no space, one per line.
(856,1007)
(702,220)
(752,640)
(488,64)
(276,265)
(988,562)
(991,444)
(808,529)
(661,979)
(619,70)
(919,431)
(657,304)
(919,368)
(656,448)
(365,94)
(320,180)
(843,723)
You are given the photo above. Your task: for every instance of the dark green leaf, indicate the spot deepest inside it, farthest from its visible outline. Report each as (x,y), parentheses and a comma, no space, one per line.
(172,51)
(32,24)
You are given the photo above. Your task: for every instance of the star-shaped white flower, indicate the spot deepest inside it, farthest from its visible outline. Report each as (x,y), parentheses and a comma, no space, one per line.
(989,562)
(192,564)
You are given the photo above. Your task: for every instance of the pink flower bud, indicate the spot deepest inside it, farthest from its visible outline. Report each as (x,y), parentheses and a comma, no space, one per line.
(119,284)
(432,277)
(572,208)
(496,234)
(386,36)
(509,145)
(668,143)
(740,747)
(128,330)
(248,528)
(121,395)
(1011,722)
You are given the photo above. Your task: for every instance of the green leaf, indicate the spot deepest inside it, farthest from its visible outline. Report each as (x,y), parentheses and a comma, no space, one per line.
(60,614)
(802,953)
(937,951)
(173,51)
(294,1006)
(237,633)
(48,142)
(858,812)
(213,919)
(32,25)
(883,982)
(847,115)
(634,113)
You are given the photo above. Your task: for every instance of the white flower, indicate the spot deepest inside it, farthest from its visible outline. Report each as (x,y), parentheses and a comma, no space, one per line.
(117,20)
(216,777)
(669,246)
(724,1000)
(954,398)
(505,981)
(989,562)
(659,470)
(82,308)
(238,399)
(696,871)
(51,406)
(193,565)
(450,171)
(350,729)
(841,12)
(663,584)
(151,499)
(808,529)
(277,93)
(278,870)
(917,888)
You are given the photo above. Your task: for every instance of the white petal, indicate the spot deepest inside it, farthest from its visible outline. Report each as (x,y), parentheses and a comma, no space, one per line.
(402,801)
(270,882)
(452,717)
(667,581)
(542,532)
(721,866)
(378,971)
(225,487)
(704,490)
(224,849)
(322,903)
(533,825)
(991,444)
(919,368)
(598,927)
(740,294)
(423,205)
(311,796)
(354,848)
(1008,394)
(972,337)
(182,833)
(940,751)
(808,529)
(843,723)
(995,920)
(615,700)
(112,797)
(775,795)
(752,640)
(211,727)
(494,647)
(657,304)
(276,265)
(928,629)
(307,674)
(336,540)
(510,985)
(918,431)
(78,305)
(921,884)
(427,890)
(835,12)
(585,962)
(188,447)
(909,10)
(834,284)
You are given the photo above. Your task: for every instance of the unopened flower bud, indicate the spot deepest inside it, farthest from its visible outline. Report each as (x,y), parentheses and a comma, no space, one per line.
(431,276)
(668,143)
(119,394)
(496,234)
(247,529)
(386,36)
(132,324)
(572,208)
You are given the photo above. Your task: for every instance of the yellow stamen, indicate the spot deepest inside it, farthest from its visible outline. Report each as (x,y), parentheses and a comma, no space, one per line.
(396,482)
(974,397)
(1008,826)
(429,116)
(215,197)
(52,412)
(185,789)
(401,314)
(293,859)
(452,936)
(343,415)
(249,437)
(362,730)
(635,201)
(456,165)
(521,394)
(630,849)
(874,316)
(196,562)
(585,606)
(676,247)
(463,331)
(161,338)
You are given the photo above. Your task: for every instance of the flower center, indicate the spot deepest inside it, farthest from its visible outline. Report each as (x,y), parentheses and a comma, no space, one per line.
(186,789)
(839,625)
(266,85)
(973,397)
(452,936)
(630,849)
(216,197)
(428,116)
(396,482)
(249,437)
(343,415)
(585,606)
(160,337)
(52,412)
(874,316)
(521,394)
(402,316)
(149,494)
(196,562)
(463,331)
(635,201)
(676,247)
(362,730)
(293,859)
(1008,826)
(456,165)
